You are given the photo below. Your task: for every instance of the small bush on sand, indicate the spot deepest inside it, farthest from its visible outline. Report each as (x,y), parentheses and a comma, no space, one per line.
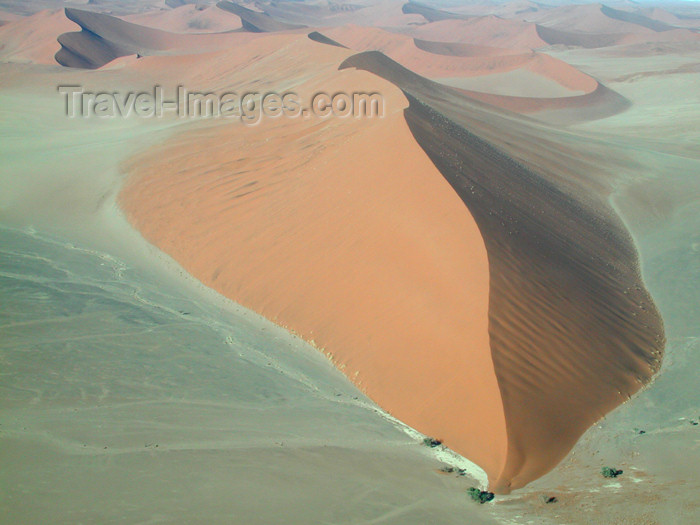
(431,442)
(481,496)
(610,472)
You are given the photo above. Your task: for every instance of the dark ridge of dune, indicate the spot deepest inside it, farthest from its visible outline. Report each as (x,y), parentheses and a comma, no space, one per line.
(85,50)
(573,331)
(569,38)
(430,13)
(254,21)
(600,103)
(323,39)
(460,49)
(597,40)
(104,38)
(635,18)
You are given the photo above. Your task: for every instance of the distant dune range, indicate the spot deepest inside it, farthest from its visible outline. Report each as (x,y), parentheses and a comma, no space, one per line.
(587,100)
(256,22)
(457,261)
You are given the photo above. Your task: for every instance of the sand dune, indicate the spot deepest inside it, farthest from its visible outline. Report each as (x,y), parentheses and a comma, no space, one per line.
(571,89)
(461,49)
(188,19)
(634,18)
(595,40)
(421,58)
(490,31)
(104,38)
(289,225)
(430,13)
(573,332)
(256,21)
(33,38)
(6,16)
(585,26)
(453,59)
(586,18)
(656,13)
(549,308)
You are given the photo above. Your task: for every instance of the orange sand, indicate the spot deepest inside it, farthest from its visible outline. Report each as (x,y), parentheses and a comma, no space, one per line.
(321,227)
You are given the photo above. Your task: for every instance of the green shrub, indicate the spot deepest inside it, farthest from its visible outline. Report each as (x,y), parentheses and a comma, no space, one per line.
(610,472)
(481,496)
(432,442)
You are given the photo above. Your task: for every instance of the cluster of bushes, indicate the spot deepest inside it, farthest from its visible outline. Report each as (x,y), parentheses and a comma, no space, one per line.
(454,470)
(481,496)
(610,472)
(432,442)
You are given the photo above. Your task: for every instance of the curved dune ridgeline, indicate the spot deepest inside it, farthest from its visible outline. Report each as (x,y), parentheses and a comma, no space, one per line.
(573,331)
(430,13)
(320,226)
(104,38)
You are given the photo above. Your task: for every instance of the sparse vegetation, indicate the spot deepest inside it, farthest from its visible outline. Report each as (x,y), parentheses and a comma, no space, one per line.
(481,496)
(432,442)
(610,472)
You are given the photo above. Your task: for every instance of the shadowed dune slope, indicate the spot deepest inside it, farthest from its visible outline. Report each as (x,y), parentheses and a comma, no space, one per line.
(586,18)
(430,13)
(591,100)
(255,21)
(323,39)
(104,38)
(584,26)
(594,40)
(460,49)
(634,18)
(599,103)
(437,60)
(573,331)
(569,38)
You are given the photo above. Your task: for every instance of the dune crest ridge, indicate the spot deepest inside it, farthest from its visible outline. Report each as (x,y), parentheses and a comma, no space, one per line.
(370,256)
(573,331)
